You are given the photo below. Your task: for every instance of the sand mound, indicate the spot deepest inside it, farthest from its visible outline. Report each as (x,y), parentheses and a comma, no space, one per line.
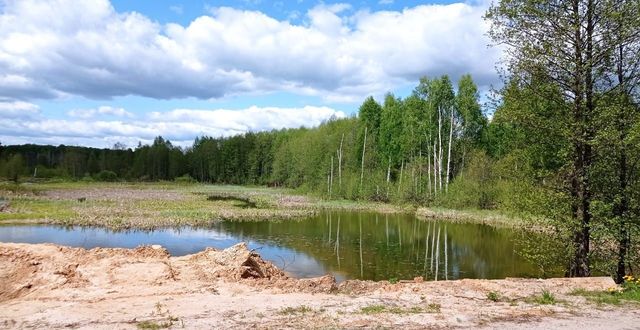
(25,268)
(234,263)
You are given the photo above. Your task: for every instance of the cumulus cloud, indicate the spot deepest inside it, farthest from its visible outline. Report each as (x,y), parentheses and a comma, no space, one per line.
(181,126)
(54,48)
(18,109)
(103,110)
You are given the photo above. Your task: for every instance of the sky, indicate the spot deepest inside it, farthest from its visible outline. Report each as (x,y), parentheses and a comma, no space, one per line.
(97,72)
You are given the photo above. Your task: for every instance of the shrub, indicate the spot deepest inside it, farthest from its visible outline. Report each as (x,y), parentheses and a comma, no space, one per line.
(106,176)
(184,179)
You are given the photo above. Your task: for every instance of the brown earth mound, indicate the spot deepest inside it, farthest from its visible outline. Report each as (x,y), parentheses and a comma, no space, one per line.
(26,268)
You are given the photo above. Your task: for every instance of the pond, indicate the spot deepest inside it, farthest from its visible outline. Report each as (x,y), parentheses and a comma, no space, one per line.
(349,245)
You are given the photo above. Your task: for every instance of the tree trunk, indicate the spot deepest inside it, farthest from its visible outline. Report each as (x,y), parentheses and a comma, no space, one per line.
(440,148)
(429,164)
(449,152)
(340,162)
(621,206)
(364,147)
(388,176)
(582,158)
(401,170)
(435,169)
(331,181)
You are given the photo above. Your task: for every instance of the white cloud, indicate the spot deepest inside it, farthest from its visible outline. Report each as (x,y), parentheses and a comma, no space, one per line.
(65,47)
(180,126)
(18,109)
(103,110)
(385,2)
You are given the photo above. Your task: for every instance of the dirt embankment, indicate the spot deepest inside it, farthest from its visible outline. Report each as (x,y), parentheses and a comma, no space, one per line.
(50,286)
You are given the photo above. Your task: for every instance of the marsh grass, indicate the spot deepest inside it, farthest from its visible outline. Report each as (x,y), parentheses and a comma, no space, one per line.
(487,217)
(143,205)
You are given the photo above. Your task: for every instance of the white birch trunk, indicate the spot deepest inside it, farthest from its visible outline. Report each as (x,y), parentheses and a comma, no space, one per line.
(331,181)
(440,148)
(449,152)
(388,176)
(401,170)
(435,168)
(364,147)
(429,164)
(340,162)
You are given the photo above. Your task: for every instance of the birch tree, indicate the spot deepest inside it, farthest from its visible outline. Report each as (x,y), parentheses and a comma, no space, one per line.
(563,43)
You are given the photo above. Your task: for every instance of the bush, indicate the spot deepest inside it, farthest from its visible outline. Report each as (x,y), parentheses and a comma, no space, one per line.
(185,179)
(106,176)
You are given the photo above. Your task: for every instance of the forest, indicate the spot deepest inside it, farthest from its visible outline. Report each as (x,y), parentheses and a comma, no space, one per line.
(562,145)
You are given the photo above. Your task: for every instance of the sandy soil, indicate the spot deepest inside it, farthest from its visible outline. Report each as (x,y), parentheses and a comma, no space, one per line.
(50,286)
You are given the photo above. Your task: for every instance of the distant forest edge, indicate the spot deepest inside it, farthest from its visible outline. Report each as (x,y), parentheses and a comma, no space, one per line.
(404,149)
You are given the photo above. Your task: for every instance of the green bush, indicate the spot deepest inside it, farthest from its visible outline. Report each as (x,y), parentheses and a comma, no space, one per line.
(106,176)
(185,179)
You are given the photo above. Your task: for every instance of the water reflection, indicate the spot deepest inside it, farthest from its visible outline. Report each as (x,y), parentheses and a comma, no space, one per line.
(360,245)
(346,244)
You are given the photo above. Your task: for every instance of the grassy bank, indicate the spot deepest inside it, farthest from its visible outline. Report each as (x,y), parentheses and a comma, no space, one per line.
(487,217)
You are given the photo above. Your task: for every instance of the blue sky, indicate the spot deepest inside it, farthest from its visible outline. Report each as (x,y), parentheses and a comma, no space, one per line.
(183,12)
(98,72)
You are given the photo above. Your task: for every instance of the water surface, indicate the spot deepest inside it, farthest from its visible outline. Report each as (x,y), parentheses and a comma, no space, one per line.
(350,245)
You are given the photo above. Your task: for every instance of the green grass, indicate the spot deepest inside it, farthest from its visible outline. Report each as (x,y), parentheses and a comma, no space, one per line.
(22,208)
(546,298)
(373,309)
(152,325)
(494,296)
(598,297)
(378,309)
(627,293)
(488,217)
(295,310)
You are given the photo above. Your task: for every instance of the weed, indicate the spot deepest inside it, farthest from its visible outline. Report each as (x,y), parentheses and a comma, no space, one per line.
(295,310)
(494,296)
(546,298)
(373,309)
(393,280)
(150,325)
(377,309)
(433,308)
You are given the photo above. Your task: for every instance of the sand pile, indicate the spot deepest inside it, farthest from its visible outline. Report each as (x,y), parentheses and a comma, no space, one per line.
(26,268)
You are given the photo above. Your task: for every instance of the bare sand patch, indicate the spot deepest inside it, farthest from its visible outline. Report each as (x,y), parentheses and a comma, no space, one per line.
(50,286)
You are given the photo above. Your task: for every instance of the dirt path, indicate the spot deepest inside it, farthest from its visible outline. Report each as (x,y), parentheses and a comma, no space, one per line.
(49,286)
